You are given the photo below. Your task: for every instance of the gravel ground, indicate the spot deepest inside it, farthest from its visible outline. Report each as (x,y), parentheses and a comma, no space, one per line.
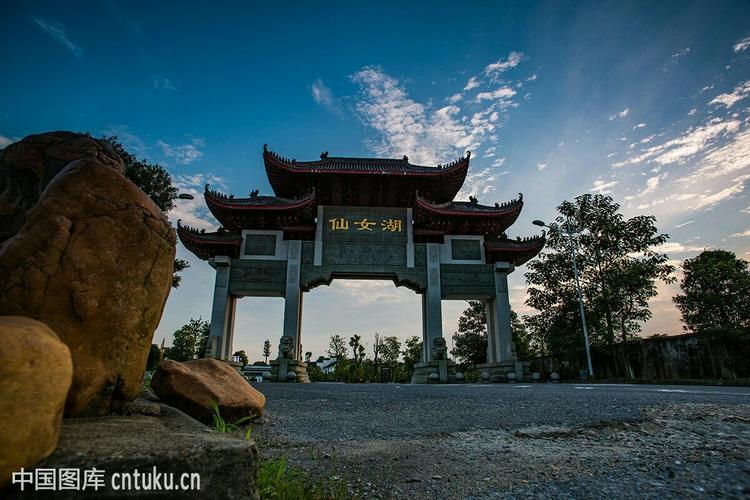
(514,440)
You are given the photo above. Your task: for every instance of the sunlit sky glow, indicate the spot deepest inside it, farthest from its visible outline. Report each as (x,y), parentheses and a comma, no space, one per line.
(648,102)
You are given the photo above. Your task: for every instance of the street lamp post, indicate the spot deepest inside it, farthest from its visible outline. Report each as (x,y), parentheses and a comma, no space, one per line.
(578,290)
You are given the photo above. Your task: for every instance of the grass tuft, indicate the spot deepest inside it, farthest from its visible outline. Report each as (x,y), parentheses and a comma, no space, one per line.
(278,481)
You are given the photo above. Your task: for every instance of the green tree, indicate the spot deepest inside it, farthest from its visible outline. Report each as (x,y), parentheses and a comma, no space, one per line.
(716,293)
(189,341)
(358,350)
(266,349)
(470,341)
(619,265)
(412,354)
(308,355)
(242,356)
(337,348)
(155,181)
(391,350)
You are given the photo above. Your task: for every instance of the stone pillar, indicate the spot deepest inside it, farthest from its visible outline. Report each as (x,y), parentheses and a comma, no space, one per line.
(293,298)
(499,335)
(222,311)
(432,314)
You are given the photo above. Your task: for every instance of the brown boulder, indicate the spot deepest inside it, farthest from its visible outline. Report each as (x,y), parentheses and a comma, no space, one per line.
(27,166)
(35,370)
(192,385)
(93,261)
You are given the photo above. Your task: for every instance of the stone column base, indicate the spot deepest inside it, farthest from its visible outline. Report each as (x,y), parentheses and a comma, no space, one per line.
(498,372)
(445,370)
(280,368)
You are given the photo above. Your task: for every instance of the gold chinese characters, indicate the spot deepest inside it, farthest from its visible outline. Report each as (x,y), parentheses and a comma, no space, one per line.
(389,225)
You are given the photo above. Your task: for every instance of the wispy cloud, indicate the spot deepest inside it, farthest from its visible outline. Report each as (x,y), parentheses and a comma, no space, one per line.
(56,30)
(622,114)
(743,234)
(675,59)
(541,166)
(684,147)
(433,135)
(322,95)
(183,153)
(728,100)
(493,70)
(678,226)
(195,213)
(742,44)
(4,141)
(132,142)
(603,187)
(163,83)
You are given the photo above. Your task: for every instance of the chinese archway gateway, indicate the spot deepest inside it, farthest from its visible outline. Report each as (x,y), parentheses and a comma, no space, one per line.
(364,218)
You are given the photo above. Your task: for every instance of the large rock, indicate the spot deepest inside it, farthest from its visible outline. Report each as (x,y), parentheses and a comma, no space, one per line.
(27,166)
(93,261)
(35,375)
(192,385)
(170,441)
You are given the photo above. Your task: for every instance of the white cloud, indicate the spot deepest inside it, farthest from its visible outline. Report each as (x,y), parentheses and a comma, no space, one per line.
(322,95)
(622,114)
(746,210)
(684,224)
(675,58)
(640,125)
(603,187)
(692,112)
(4,141)
(743,234)
(675,247)
(500,93)
(56,30)
(183,153)
(651,184)
(472,83)
(132,142)
(455,98)
(494,70)
(727,100)
(541,166)
(163,83)
(742,44)
(678,150)
(195,213)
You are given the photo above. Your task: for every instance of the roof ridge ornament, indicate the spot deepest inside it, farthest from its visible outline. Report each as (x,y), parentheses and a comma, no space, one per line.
(405,158)
(324,155)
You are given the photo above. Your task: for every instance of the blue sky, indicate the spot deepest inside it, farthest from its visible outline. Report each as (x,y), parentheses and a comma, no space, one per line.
(646,101)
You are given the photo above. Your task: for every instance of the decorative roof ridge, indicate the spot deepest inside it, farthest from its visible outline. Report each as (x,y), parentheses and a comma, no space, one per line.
(286,203)
(455,206)
(526,241)
(221,232)
(325,158)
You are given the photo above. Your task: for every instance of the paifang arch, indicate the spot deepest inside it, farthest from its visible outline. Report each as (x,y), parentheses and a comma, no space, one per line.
(366,218)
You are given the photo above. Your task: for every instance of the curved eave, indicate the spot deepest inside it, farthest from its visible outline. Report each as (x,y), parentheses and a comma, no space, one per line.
(456,219)
(443,182)
(238,213)
(207,245)
(517,252)
(451,209)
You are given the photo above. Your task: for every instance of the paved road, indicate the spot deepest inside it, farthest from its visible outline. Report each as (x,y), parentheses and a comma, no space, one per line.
(515,440)
(395,410)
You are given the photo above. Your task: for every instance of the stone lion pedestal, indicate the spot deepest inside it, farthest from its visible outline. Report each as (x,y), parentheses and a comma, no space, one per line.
(498,372)
(287,369)
(439,370)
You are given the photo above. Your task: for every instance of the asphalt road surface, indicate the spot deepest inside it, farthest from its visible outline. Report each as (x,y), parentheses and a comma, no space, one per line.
(514,440)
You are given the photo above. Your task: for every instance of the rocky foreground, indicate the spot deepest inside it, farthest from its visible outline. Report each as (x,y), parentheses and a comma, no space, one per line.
(515,441)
